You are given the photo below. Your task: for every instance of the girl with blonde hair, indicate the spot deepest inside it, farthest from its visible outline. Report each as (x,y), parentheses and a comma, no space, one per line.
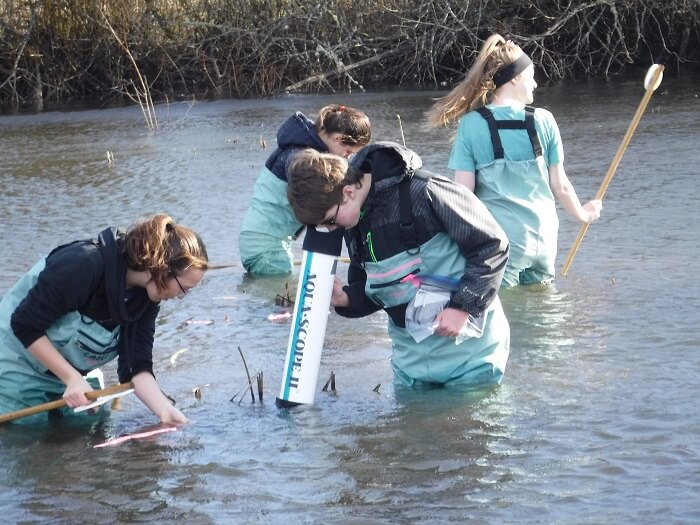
(511,155)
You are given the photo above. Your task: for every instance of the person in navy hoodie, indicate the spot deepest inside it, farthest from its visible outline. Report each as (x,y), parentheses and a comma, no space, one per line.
(269,226)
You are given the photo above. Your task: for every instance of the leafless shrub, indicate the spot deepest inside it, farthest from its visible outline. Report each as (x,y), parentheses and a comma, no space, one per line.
(64,49)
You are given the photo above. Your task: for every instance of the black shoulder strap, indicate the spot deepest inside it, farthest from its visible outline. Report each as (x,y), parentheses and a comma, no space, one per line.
(527,124)
(531,131)
(408,230)
(493,129)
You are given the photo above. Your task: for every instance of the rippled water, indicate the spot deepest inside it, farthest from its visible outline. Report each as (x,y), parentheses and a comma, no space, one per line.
(594,423)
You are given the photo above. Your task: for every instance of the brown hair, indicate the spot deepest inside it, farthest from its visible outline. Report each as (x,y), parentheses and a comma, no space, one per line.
(316,182)
(164,248)
(351,123)
(477,88)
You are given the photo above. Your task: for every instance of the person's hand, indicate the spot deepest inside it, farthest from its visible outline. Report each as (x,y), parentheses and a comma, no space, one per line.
(74,395)
(592,209)
(172,416)
(450,322)
(339,297)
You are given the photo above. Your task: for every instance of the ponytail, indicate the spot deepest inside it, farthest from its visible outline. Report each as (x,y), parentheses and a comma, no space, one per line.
(478,87)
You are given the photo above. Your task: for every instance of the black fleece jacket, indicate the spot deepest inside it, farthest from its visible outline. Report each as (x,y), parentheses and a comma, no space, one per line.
(438,205)
(90,277)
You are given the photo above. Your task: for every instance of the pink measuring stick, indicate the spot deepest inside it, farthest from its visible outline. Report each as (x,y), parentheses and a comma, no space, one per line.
(128,437)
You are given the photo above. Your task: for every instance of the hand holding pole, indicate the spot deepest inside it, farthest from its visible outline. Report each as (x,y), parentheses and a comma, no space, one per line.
(59,403)
(651,82)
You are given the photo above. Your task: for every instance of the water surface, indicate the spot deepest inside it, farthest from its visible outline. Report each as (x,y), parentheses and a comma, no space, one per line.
(595,421)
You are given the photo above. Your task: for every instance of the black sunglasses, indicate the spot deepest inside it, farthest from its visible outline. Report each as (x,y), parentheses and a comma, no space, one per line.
(184,292)
(333,221)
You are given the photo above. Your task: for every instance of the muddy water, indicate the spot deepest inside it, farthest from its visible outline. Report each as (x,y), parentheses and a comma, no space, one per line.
(595,421)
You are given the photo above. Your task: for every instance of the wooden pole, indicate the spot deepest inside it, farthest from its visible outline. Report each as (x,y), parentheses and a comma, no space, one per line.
(652,81)
(59,403)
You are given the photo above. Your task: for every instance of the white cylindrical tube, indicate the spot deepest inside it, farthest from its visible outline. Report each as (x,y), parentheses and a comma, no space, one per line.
(311,308)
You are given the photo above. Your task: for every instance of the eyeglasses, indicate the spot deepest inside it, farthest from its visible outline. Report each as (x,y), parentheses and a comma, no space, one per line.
(184,292)
(333,221)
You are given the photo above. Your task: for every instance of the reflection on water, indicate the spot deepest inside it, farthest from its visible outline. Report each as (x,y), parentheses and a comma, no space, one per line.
(593,423)
(430,435)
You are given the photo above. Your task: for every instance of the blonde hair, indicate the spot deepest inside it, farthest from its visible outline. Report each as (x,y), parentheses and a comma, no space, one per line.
(478,87)
(164,248)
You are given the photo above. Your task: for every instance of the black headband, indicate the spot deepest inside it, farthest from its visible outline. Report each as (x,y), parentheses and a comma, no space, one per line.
(512,70)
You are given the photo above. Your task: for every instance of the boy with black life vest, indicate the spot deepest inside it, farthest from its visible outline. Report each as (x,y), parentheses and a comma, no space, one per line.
(424,249)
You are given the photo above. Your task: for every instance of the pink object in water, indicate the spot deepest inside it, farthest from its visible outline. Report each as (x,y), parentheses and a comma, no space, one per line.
(279,317)
(139,435)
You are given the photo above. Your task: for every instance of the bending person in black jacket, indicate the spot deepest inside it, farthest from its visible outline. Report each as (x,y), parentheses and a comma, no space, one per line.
(89,302)
(424,249)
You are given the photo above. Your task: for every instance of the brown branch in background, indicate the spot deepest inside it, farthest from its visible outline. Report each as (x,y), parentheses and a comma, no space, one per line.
(340,70)
(12,77)
(142,95)
(186,49)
